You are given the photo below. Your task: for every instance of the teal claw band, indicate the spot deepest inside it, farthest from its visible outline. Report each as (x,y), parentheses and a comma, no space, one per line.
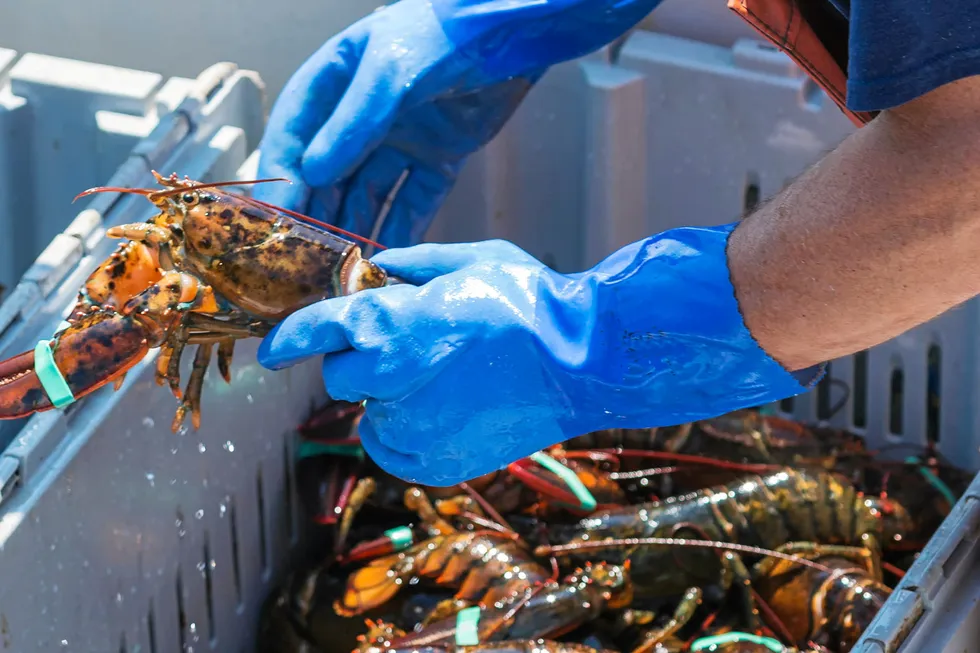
(933,480)
(466,627)
(569,477)
(49,375)
(310,449)
(730,638)
(400,536)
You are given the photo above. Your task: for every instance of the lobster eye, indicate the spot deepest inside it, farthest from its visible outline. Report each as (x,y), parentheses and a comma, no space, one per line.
(189,198)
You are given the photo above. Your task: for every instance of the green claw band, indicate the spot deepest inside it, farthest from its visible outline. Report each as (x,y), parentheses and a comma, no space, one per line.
(934,481)
(61,327)
(467,622)
(310,449)
(401,537)
(578,488)
(49,375)
(731,638)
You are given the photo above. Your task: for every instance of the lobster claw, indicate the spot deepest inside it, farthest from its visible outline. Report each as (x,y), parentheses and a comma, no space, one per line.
(93,351)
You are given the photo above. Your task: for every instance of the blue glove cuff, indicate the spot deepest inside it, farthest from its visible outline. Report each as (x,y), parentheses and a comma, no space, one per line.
(662,342)
(523,37)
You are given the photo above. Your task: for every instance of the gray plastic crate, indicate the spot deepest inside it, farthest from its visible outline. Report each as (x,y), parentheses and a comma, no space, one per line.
(117,535)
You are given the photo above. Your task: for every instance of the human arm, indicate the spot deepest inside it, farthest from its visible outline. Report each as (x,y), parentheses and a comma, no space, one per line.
(879,236)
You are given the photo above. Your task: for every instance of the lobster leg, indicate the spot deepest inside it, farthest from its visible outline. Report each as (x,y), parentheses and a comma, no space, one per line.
(685,610)
(177,341)
(192,397)
(226,349)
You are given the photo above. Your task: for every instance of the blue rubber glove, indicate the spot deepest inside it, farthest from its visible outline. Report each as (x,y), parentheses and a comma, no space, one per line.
(495,356)
(417,86)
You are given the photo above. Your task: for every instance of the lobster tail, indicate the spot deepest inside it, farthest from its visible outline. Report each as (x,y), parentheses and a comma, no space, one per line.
(94,351)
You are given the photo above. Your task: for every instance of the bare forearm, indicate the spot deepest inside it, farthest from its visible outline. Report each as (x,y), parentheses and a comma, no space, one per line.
(880,236)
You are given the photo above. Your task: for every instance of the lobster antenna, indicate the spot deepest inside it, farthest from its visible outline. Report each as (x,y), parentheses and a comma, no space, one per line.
(677,541)
(319,223)
(148,192)
(156,194)
(753,468)
(217,184)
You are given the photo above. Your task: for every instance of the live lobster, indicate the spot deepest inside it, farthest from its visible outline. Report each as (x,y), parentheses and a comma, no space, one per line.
(210,268)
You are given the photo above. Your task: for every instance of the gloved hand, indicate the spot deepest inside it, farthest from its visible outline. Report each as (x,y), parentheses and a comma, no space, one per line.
(494,356)
(417,86)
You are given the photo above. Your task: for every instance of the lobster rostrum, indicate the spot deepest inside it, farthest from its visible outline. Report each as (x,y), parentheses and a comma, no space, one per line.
(210,268)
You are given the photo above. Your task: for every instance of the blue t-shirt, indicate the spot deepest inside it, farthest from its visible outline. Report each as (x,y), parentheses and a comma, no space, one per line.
(902,49)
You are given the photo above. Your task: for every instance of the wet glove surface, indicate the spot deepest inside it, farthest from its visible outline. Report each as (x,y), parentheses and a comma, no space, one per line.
(492,356)
(415,88)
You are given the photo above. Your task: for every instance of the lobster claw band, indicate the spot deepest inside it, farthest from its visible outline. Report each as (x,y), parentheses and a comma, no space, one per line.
(50,376)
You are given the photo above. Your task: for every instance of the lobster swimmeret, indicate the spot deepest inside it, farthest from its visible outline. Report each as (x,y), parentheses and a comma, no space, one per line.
(210,268)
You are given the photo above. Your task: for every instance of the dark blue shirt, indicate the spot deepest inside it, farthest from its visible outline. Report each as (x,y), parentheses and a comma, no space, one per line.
(901,49)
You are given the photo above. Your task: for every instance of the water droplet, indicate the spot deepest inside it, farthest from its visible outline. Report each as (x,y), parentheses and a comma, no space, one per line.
(249,399)
(64,642)
(201,447)
(229,446)
(222,509)
(201,567)
(148,422)
(150,477)
(199,514)
(118,597)
(182,430)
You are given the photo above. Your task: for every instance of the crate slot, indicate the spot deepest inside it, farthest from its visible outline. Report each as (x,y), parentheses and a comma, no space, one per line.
(151,628)
(859,398)
(896,411)
(263,536)
(236,565)
(823,388)
(933,392)
(292,530)
(209,596)
(181,616)
(753,193)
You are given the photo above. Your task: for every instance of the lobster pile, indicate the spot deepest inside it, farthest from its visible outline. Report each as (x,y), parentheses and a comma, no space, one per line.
(771,537)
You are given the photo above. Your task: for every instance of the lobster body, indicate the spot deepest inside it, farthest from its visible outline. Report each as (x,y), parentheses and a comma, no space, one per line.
(265,263)
(766,511)
(832,606)
(483,566)
(555,609)
(210,268)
